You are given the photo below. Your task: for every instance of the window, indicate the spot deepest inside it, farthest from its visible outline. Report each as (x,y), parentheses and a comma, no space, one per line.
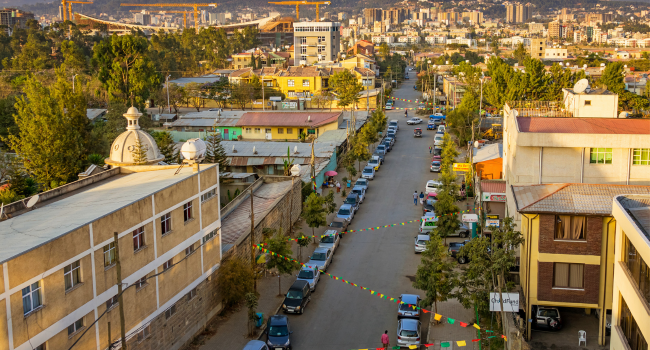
(191,294)
(291,82)
(638,268)
(170,312)
(303,50)
(75,327)
(267,130)
(138,238)
(258,130)
(305,82)
(568,275)
(166,223)
(248,130)
(189,250)
(280,130)
(303,40)
(209,194)
(32,297)
(187,211)
(139,284)
(109,254)
(112,302)
(641,156)
(631,329)
(570,228)
(600,156)
(41,347)
(144,334)
(168,264)
(588,103)
(289,131)
(311,131)
(210,236)
(72,275)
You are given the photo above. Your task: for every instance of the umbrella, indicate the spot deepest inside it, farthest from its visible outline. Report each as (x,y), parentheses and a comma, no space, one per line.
(331,173)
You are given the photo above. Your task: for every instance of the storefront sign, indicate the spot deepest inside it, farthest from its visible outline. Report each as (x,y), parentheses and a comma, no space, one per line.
(492,216)
(510,302)
(462,167)
(492,222)
(494,197)
(470,218)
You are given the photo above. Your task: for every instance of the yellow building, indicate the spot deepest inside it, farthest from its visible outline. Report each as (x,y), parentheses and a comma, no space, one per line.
(300,82)
(274,126)
(631,299)
(567,259)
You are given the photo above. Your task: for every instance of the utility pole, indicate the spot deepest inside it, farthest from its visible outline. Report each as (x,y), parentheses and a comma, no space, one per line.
(120,299)
(169,108)
(253,240)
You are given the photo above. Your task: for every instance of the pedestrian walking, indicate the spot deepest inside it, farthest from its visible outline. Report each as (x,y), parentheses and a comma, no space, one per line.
(415,198)
(430,149)
(338,187)
(421,198)
(385,342)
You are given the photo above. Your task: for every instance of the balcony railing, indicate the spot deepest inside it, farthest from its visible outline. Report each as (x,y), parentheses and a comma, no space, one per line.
(548,109)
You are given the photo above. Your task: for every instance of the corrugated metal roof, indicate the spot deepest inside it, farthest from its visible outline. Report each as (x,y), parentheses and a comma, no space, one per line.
(276,149)
(493,186)
(292,119)
(335,137)
(193,122)
(584,125)
(568,198)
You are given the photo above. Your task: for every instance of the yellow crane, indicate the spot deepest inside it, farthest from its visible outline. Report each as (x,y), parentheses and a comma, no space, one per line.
(67,5)
(194,6)
(185,13)
(303,2)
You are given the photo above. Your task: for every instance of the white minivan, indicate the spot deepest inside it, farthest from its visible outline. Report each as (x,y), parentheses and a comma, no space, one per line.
(394,123)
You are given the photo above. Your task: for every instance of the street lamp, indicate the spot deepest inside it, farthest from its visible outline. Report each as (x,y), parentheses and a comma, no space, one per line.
(167,81)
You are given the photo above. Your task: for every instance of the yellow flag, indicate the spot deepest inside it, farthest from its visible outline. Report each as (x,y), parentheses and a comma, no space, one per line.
(413,346)
(437,317)
(461,343)
(476,326)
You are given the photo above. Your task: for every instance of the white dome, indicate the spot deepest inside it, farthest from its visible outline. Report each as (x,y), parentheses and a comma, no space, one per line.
(124,145)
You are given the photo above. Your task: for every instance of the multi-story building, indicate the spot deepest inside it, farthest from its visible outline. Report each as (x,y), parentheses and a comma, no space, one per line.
(555,53)
(523,13)
(267,126)
(409,39)
(372,15)
(565,15)
(11,17)
(388,39)
(449,16)
(316,41)
(60,285)
(142,18)
(537,47)
(474,17)
(379,27)
(511,13)
(554,30)
(436,39)
(535,27)
(342,16)
(631,295)
(395,15)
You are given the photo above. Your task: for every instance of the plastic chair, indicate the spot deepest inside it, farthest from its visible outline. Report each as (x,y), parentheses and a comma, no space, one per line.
(582,337)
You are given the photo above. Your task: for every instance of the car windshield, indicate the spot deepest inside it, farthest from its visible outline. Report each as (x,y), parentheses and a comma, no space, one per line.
(435,163)
(455,244)
(279,331)
(357,191)
(422,242)
(367,171)
(361,182)
(306,274)
(336,224)
(408,334)
(327,239)
(381,147)
(344,212)
(392,124)
(406,307)
(438,137)
(373,161)
(548,313)
(430,201)
(319,257)
(351,200)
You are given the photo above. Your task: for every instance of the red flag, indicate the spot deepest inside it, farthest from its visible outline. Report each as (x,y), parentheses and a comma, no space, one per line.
(475,340)
(463,324)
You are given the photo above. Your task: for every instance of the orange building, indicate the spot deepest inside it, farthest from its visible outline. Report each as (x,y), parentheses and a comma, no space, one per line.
(488,161)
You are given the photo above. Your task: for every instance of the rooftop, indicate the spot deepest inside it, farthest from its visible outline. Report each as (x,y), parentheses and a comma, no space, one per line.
(63,214)
(488,152)
(584,125)
(493,186)
(276,149)
(638,207)
(198,80)
(306,119)
(570,198)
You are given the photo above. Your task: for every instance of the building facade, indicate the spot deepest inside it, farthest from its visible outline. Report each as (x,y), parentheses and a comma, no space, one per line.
(316,42)
(537,47)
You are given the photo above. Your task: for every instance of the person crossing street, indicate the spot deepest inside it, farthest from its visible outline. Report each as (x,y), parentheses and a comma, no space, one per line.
(385,341)
(415,198)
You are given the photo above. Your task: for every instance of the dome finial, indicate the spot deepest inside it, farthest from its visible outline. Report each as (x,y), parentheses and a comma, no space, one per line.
(132,115)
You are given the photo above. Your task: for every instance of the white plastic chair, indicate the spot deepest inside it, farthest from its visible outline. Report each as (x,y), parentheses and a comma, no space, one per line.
(582,338)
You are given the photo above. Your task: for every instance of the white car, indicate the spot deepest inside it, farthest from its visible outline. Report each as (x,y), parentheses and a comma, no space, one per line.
(438,140)
(441,129)
(368,173)
(413,121)
(421,243)
(432,187)
(330,240)
(394,123)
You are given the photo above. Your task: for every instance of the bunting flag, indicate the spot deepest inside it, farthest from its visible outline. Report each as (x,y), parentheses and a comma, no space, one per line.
(437,316)
(405,100)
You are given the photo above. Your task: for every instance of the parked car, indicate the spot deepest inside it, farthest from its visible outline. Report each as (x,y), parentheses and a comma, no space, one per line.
(429,202)
(431,125)
(360,191)
(441,129)
(339,225)
(389,105)
(421,243)
(256,345)
(362,183)
(391,139)
(368,172)
(432,186)
(391,134)
(388,144)
(278,333)
(395,123)
(379,160)
(438,139)
(413,121)
(408,332)
(381,149)
(322,257)
(428,224)
(546,318)
(381,156)
(417,132)
(421,106)
(454,251)
(405,307)
(297,297)
(311,274)
(330,240)
(346,212)
(353,200)
(392,129)
(437,150)
(435,166)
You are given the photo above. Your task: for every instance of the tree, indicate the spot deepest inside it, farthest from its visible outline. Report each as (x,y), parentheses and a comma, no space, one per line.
(358,151)
(302,242)
(330,205)
(7,122)
(287,163)
(215,152)
(139,153)
(384,51)
(520,53)
(194,95)
(52,131)
(446,207)
(165,143)
(279,245)
(235,279)
(242,94)
(314,213)
(435,274)
(73,56)
(613,77)
(346,86)
(251,304)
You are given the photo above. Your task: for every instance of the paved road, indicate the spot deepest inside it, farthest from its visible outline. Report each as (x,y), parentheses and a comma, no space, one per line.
(344,317)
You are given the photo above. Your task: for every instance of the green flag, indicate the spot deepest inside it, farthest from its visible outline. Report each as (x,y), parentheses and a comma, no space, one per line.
(445,344)
(450,320)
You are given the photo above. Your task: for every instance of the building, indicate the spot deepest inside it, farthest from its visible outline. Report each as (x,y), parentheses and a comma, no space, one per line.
(537,47)
(142,18)
(450,17)
(567,259)
(631,295)
(268,126)
(511,13)
(11,17)
(554,30)
(535,27)
(488,161)
(523,13)
(474,17)
(555,53)
(316,42)
(409,39)
(565,15)
(395,15)
(166,223)
(379,39)
(372,15)
(362,47)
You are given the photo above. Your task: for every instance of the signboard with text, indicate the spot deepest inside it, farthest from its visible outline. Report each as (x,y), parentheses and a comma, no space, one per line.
(494,197)
(469,218)
(462,167)
(510,302)
(492,222)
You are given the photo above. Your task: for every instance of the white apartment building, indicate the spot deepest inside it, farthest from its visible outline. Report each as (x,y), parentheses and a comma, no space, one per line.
(316,41)
(555,53)
(379,39)
(409,39)
(462,41)
(436,39)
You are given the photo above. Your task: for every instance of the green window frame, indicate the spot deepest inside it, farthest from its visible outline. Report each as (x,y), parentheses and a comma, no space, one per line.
(641,156)
(311,131)
(600,155)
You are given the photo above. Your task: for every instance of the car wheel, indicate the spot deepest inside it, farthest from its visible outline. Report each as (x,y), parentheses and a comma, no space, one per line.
(302,309)
(462,260)
(464,234)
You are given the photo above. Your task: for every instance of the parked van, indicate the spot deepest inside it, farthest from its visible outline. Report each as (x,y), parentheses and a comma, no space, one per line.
(297,297)
(394,123)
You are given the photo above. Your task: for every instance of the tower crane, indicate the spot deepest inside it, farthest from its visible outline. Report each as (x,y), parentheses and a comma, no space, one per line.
(67,5)
(194,6)
(302,2)
(185,13)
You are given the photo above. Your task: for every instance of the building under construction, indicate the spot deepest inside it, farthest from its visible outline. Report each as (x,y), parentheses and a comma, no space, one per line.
(11,17)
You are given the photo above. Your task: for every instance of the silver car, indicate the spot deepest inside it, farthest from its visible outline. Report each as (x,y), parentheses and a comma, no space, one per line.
(346,212)
(359,190)
(368,173)
(405,307)
(322,258)
(421,243)
(362,183)
(408,332)
(311,274)
(329,239)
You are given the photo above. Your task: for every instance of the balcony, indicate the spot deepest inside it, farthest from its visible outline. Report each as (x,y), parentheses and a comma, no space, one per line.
(548,109)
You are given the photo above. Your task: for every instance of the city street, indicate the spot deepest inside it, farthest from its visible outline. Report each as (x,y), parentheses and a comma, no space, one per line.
(341,316)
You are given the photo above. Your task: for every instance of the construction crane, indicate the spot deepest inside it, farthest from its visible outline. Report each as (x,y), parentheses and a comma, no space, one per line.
(185,13)
(67,4)
(298,3)
(194,6)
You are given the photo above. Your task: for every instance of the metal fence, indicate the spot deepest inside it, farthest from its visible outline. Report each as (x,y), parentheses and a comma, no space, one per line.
(548,109)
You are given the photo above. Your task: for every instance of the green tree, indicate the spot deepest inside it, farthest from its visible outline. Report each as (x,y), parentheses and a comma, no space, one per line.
(251,303)
(287,163)
(52,131)
(347,87)
(7,122)
(165,143)
(435,274)
(279,245)
(303,241)
(73,56)
(330,205)
(445,206)
(235,279)
(139,153)
(242,94)
(613,77)
(215,152)
(314,213)
(520,53)
(560,78)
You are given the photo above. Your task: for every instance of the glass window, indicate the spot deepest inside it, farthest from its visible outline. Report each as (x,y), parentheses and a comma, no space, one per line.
(166,223)
(168,264)
(79,324)
(258,130)
(289,131)
(209,194)
(311,131)
(641,156)
(600,155)
(141,283)
(248,130)
(305,82)
(170,312)
(187,211)
(568,275)
(210,236)
(138,238)
(280,130)
(189,250)
(638,268)
(109,254)
(144,334)
(570,228)
(32,297)
(631,330)
(72,274)
(110,303)
(291,82)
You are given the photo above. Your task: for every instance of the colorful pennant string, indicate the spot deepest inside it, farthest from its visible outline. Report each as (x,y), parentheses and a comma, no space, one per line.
(405,100)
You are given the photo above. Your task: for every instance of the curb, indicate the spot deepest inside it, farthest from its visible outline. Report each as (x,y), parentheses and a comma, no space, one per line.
(259,336)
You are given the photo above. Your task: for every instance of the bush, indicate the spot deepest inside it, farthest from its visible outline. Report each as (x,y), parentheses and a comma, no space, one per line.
(235,280)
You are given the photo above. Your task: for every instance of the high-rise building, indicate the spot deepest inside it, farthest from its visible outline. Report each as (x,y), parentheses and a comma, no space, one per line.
(10,17)
(342,16)
(554,30)
(372,15)
(316,41)
(142,18)
(523,13)
(474,17)
(395,15)
(510,13)
(537,47)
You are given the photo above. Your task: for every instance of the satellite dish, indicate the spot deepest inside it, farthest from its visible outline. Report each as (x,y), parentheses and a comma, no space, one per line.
(295,170)
(476,144)
(32,201)
(581,86)
(621,115)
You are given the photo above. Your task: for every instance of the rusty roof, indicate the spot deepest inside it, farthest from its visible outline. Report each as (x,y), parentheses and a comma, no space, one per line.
(239,72)
(297,71)
(493,186)
(312,119)
(584,125)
